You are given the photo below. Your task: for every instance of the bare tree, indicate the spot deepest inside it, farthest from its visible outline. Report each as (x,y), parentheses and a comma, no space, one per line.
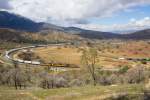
(89,58)
(18,76)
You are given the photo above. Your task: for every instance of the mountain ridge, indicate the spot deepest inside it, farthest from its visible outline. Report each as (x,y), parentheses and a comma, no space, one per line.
(7,19)
(20,23)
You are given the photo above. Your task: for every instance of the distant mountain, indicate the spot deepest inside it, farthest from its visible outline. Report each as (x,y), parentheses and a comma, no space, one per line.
(91,34)
(73,30)
(143,34)
(139,35)
(124,31)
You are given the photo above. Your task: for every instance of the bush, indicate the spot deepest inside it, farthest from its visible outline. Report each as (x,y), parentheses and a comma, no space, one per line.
(61,82)
(144,62)
(135,75)
(146,95)
(104,79)
(126,96)
(52,81)
(76,82)
(123,69)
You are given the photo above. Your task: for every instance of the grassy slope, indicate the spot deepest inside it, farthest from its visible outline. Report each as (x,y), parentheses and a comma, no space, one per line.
(76,93)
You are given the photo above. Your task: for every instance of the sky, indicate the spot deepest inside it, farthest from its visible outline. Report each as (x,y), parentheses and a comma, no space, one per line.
(100,15)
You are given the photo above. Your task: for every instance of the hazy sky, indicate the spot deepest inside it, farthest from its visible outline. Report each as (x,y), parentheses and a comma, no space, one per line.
(103,15)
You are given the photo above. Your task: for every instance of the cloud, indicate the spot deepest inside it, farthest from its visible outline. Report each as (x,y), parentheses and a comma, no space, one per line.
(77,12)
(132,25)
(71,11)
(4,4)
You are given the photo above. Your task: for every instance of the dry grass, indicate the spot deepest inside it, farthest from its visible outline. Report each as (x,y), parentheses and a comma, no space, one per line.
(70,55)
(62,55)
(74,93)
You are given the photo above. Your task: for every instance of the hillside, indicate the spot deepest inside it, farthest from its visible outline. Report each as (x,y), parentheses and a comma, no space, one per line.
(10,35)
(17,22)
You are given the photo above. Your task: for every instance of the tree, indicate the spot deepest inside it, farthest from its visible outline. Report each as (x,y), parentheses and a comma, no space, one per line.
(49,81)
(89,58)
(28,55)
(18,76)
(4,75)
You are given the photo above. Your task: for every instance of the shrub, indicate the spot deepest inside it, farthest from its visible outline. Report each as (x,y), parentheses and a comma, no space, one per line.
(123,69)
(135,75)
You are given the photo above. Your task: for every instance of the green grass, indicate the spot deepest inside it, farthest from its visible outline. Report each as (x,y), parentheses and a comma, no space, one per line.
(75,93)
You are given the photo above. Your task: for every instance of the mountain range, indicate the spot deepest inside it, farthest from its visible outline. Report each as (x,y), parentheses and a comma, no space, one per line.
(16,22)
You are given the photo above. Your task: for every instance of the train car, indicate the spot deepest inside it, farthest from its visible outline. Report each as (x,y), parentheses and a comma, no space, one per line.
(35,63)
(21,61)
(27,62)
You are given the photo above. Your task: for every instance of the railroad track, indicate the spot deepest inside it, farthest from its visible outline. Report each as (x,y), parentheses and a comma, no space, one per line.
(8,53)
